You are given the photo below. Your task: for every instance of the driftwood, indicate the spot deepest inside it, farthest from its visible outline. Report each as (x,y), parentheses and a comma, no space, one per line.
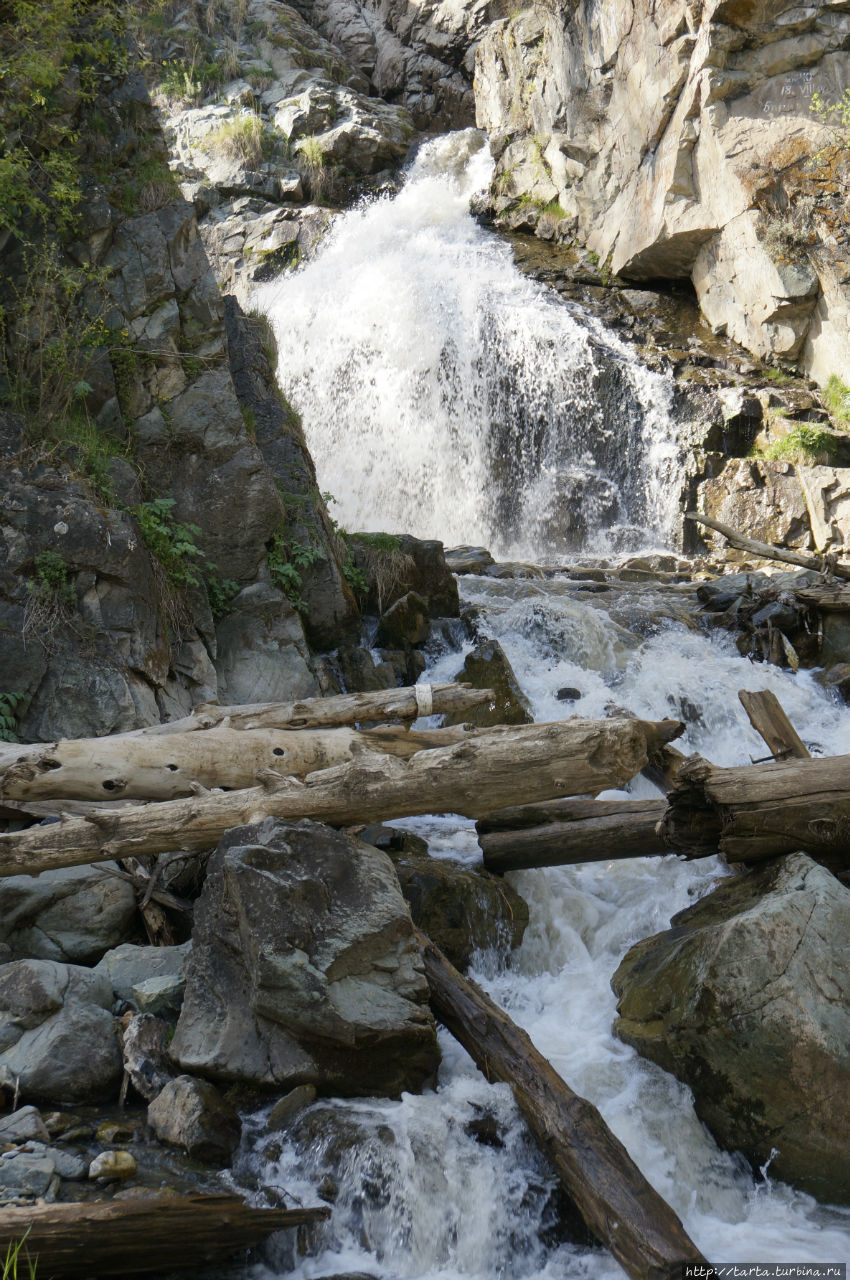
(768,718)
(766,551)
(617,1203)
(760,811)
(404,704)
(569,831)
(140,1237)
(165,767)
(484,772)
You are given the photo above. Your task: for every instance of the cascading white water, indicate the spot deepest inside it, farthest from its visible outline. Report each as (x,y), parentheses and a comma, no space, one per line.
(445,394)
(430,375)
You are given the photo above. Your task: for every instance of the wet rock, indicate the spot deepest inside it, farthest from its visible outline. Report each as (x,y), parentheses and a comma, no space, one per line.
(394,840)
(462,910)
(469,559)
(283,1111)
(25,1175)
(71,1167)
(128,965)
(192,1114)
(23,1124)
(145,1052)
(304,967)
(394,564)
(74,914)
(111,1166)
(838,678)
(407,665)
(763,498)
(568,694)
(405,623)
(744,999)
(57,1035)
(488,667)
(360,672)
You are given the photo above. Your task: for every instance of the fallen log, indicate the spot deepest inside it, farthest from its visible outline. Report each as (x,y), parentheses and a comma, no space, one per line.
(615,1200)
(760,811)
(140,1237)
(404,704)
(163,768)
(484,772)
(766,715)
(766,551)
(571,831)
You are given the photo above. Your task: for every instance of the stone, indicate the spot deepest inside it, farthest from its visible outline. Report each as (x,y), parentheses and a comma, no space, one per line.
(262,650)
(192,1114)
(289,1105)
(827,494)
(469,559)
(23,1124)
(25,1174)
(73,914)
(487,667)
(159,995)
(57,1036)
(744,999)
(405,623)
(113,1166)
(67,1165)
(144,1048)
(128,965)
(763,498)
(305,968)
(394,564)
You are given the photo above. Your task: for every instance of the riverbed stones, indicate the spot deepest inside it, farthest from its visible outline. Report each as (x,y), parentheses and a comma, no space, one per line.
(73,914)
(144,1049)
(305,968)
(193,1115)
(127,966)
(745,999)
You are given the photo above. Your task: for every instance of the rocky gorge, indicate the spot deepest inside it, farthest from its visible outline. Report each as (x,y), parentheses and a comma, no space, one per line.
(224,488)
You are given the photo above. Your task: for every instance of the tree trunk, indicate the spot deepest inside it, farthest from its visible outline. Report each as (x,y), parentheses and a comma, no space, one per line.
(617,1203)
(768,718)
(761,811)
(571,831)
(312,713)
(488,769)
(153,767)
(823,564)
(139,1237)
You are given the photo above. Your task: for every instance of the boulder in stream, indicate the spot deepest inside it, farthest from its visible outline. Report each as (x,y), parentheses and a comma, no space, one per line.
(745,999)
(304,968)
(487,667)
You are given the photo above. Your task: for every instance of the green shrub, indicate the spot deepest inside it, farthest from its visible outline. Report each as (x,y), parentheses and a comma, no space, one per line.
(51,599)
(172,544)
(243,139)
(804,443)
(836,397)
(287,560)
(9,723)
(220,593)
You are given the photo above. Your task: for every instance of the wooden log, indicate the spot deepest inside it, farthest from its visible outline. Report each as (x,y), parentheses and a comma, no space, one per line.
(615,1200)
(766,551)
(404,704)
(760,811)
(768,718)
(487,770)
(140,1237)
(573,831)
(163,768)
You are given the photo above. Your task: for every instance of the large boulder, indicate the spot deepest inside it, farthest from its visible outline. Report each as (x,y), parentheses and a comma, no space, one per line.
(74,914)
(305,968)
(58,1040)
(745,999)
(487,666)
(193,1115)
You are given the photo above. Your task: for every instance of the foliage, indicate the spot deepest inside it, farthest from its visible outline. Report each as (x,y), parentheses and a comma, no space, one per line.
(383,567)
(243,139)
(779,376)
(189,79)
(14,1266)
(171,543)
(835,116)
(268,338)
(836,397)
(221,593)
(51,577)
(89,451)
(51,598)
(804,443)
(287,560)
(151,186)
(786,235)
(8,733)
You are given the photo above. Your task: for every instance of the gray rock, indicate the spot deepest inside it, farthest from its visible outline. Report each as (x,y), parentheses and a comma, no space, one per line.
(192,1114)
(145,1052)
(305,968)
(488,667)
(57,1036)
(745,999)
(128,965)
(65,1163)
(289,1105)
(262,650)
(159,995)
(405,623)
(23,1124)
(25,1174)
(73,914)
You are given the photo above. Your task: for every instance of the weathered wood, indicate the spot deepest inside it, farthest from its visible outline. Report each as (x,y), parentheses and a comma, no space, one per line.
(163,768)
(617,1203)
(489,769)
(404,704)
(768,718)
(572,831)
(140,1237)
(767,551)
(760,811)
(826,597)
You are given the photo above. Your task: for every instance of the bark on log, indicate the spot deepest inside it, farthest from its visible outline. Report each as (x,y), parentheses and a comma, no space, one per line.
(163,768)
(766,715)
(140,1237)
(571,831)
(312,713)
(823,564)
(617,1203)
(760,811)
(484,772)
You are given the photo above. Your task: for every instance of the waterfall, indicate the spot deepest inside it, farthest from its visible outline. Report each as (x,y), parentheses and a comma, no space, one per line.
(445,394)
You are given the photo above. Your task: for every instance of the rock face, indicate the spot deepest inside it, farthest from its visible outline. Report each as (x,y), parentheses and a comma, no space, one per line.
(304,967)
(74,914)
(673,139)
(58,1041)
(744,998)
